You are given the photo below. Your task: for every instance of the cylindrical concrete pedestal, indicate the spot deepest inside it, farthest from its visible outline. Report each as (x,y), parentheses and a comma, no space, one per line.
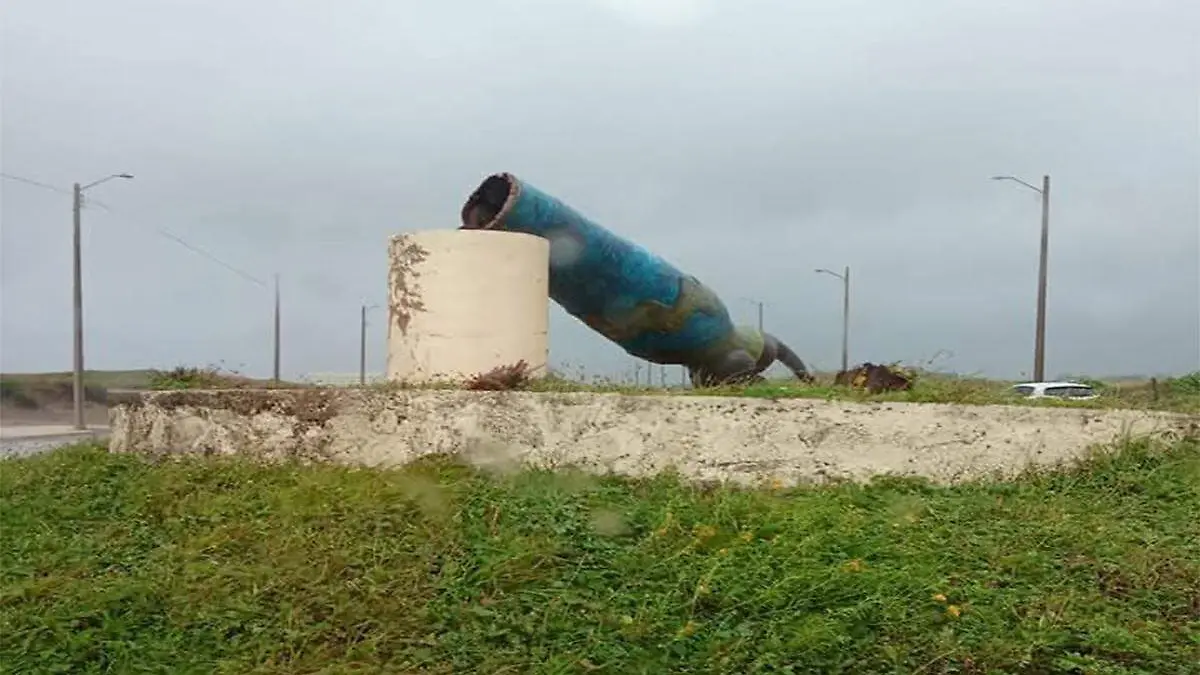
(464,302)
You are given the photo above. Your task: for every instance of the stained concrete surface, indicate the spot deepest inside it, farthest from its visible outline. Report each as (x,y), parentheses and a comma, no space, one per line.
(741,440)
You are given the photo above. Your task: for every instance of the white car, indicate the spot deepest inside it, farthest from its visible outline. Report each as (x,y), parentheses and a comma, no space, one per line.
(1069,391)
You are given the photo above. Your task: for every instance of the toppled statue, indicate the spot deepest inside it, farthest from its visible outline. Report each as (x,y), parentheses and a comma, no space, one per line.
(628,294)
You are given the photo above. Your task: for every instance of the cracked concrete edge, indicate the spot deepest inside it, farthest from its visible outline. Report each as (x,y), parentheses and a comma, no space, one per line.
(727,439)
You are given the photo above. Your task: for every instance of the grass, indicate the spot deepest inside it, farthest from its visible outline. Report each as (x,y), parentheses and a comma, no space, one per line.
(116,564)
(1178,394)
(103,379)
(30,391)
(191,377)
(38,390)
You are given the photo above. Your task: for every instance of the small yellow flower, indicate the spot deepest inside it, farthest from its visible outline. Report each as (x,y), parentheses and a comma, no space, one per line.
(703,590)
(688,629)
(938,597)
(747,536)
(855,565)
(723,551)
(954,611)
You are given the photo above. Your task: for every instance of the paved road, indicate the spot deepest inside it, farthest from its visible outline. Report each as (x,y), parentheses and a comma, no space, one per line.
(28,440)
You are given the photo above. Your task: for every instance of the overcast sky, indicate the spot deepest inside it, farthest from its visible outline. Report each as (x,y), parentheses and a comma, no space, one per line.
(748,142)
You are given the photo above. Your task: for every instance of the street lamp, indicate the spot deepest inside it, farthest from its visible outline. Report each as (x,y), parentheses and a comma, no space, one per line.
(845,277)
(1039,349)
(77,291)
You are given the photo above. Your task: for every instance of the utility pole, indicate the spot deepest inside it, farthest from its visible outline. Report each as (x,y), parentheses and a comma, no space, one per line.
(1039,342)
(277,340)
(77,204)
(845,277)
(760,304)
(77,308)
(1039,346)
(362,343)
(77,293)
(846,318)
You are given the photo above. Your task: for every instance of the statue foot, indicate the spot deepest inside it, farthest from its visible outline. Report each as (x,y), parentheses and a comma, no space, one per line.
(735,368)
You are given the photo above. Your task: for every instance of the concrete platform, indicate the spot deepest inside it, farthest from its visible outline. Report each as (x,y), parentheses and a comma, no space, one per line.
(730,439)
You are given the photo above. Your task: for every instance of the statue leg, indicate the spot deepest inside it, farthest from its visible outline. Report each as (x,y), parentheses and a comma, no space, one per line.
(735,367)
(777,350)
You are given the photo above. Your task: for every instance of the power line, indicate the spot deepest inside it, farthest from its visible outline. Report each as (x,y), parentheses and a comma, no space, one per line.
(51,187)
(206,254)
(158,230)
(30,181)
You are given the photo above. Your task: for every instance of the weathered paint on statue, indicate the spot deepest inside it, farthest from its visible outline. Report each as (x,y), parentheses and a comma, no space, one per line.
(625,292)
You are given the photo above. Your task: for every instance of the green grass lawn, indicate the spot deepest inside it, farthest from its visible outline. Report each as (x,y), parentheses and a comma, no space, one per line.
(115,564)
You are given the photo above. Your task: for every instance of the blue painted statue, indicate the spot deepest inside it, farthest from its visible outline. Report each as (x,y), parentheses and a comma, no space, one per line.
(628,294)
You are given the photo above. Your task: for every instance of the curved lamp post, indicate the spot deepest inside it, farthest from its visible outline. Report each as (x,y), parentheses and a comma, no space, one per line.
(1039,348)
(845,277)
(77,292)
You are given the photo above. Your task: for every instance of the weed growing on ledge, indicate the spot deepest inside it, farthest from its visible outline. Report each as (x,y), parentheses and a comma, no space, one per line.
(1173,394)
(1181,394)
(209,377)
(115,564)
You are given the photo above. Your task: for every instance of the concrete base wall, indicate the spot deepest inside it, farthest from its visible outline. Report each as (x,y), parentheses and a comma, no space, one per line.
(730,439)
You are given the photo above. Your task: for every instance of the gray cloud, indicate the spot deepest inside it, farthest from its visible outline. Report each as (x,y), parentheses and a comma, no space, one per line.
(747,142)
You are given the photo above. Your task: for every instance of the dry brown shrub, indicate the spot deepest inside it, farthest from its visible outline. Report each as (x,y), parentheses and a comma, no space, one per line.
(875,378)
(502,378)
